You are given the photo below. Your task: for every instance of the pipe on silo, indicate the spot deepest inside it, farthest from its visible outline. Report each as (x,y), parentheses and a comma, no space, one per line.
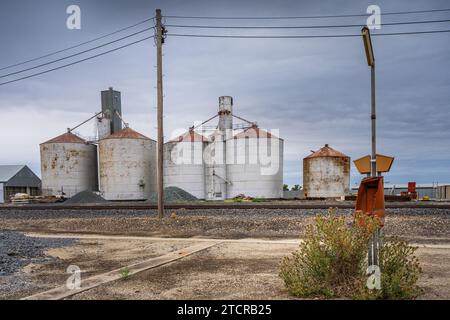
(225,113)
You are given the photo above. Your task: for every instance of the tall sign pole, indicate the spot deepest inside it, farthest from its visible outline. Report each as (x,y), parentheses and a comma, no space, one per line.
(160,165)
(371,62)
(375,244)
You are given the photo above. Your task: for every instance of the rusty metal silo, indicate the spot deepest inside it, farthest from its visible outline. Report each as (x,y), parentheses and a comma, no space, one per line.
(326,174)
(127,166)
(69,165)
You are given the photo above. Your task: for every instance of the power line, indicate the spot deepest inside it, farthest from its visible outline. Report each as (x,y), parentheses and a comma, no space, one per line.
(75,54)
(78,61)
(223,36)
(304,17)
(77,45)
(302,27)
(301,36)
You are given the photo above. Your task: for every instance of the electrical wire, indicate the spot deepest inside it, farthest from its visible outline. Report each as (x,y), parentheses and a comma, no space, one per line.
(75,54)
(302,27)
(76,62)
(303,17)
(77,45)
(301,36)
(211,36)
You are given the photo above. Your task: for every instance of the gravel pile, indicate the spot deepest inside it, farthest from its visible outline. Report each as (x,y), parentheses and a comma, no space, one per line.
(174,194)
(85,197)
(18,250)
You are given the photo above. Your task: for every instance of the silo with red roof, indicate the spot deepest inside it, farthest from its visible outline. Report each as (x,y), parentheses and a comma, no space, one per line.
(68,165)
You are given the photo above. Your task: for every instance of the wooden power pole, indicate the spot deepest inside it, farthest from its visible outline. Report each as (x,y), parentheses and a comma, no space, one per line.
(160,166)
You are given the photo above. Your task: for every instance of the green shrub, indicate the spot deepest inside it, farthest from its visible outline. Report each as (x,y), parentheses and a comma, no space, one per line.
(332,262)
(400,270)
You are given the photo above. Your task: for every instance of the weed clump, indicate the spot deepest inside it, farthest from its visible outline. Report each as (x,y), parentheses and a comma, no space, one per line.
(331,262)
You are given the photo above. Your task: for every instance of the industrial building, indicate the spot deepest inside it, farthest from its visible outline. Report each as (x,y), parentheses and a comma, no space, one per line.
(430,190)
(214,163)
(119,163)
(225,160)
(326,174)
(443,192)
(18,179)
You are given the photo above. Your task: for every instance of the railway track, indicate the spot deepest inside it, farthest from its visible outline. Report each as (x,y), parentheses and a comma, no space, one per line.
(209,206)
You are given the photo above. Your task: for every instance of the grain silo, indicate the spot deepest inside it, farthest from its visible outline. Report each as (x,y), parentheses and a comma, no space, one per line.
(238,158)
(183,163)
(255,164)
(127,161)
(68,165)
(326,174)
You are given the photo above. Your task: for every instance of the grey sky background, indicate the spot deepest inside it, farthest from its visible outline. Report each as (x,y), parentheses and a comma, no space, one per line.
(315,91)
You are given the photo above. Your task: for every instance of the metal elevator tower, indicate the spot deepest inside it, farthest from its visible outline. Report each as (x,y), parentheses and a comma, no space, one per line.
(111,106)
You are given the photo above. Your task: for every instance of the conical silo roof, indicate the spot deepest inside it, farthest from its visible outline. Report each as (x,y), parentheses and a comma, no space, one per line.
(254,132)
(67,137)
(190,136)
(127,133)
(326,151)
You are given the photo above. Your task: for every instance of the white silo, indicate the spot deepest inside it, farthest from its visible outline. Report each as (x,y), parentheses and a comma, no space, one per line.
(69,165)
(255,164)
(127,166)
(183,163)
(326,174)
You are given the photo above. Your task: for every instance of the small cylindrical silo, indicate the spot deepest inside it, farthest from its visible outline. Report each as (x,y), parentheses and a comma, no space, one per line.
(68,165)
(127,162)
(255,164)
(183,163)
(326,174)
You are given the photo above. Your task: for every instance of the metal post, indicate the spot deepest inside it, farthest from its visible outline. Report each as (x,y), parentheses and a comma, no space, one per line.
(373,118)
(160,174)
(373,254)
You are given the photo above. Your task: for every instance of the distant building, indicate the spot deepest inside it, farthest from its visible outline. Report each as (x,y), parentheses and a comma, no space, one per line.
(17,179)
(433,191)
(443,192)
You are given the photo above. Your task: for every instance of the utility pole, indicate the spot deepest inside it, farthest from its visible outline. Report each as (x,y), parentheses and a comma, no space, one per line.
(160,174)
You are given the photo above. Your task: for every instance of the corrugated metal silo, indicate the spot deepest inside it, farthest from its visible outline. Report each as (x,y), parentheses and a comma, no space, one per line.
(255,164)
(183,163)
(68,164)
(326,174)
(127,166)
(216,182)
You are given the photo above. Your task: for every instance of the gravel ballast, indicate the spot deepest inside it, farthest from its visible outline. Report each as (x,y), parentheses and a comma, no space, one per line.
(18,250)
(214,223)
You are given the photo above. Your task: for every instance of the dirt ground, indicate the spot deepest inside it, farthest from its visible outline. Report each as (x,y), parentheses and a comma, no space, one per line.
(92,256)
(232,269)
(244,265)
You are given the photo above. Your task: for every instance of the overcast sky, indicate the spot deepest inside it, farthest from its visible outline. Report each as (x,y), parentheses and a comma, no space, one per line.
(315,91)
